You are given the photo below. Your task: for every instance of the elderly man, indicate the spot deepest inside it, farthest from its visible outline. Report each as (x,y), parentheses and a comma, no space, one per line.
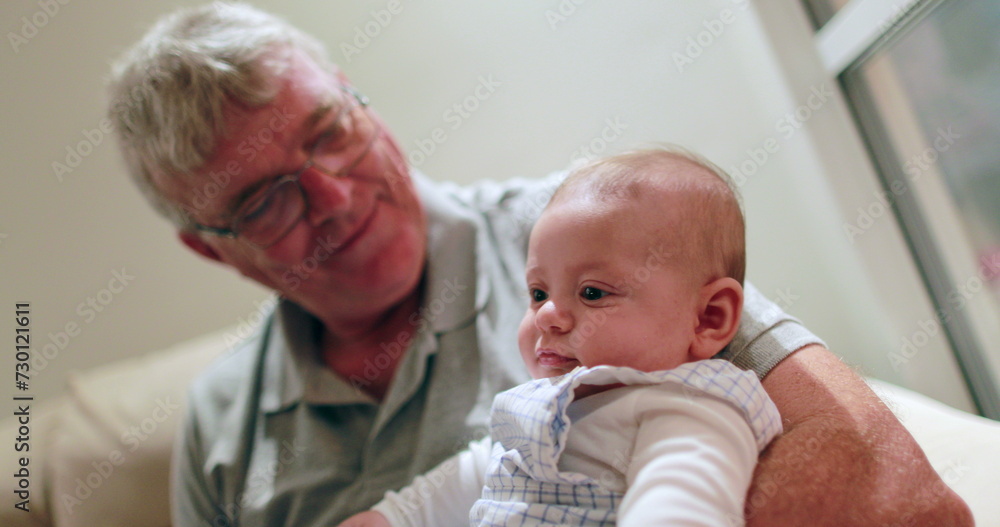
(401,298)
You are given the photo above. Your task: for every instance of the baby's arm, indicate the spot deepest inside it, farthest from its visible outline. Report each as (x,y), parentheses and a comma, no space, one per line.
(442,496)
(693,461)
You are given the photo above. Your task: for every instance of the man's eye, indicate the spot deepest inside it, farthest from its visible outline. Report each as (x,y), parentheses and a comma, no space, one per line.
(257,211)
(334,139)
(325,144)
(592,293)
(538,295)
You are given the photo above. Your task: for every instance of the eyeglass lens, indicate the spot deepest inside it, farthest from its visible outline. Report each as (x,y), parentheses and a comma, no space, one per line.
(339,149)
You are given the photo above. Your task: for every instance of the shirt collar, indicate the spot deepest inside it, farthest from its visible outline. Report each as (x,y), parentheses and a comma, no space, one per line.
(454,292)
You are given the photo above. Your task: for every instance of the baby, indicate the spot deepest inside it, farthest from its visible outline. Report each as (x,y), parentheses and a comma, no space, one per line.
(634,272)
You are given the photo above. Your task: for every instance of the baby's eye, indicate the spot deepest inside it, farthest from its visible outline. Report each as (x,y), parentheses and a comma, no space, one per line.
(537,295)
(592,293)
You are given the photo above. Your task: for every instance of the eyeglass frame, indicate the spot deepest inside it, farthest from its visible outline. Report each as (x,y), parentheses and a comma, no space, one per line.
(360,101)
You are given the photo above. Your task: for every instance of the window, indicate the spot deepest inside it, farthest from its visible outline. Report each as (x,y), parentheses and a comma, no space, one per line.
(923,79)
(822,11)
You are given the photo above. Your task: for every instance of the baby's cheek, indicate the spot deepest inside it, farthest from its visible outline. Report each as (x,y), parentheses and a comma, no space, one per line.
(527,336)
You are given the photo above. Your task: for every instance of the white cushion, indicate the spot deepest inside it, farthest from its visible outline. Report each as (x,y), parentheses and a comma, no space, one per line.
(110,461)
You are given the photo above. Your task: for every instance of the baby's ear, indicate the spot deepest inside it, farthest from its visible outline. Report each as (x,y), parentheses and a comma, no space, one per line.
(720,305)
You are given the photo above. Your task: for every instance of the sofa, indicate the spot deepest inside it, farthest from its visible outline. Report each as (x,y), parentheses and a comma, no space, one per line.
(100,453)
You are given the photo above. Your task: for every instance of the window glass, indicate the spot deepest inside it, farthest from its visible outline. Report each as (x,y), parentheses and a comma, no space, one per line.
(928,102)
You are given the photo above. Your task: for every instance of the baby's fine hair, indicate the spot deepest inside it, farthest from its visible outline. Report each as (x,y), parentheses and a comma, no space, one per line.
(713,231)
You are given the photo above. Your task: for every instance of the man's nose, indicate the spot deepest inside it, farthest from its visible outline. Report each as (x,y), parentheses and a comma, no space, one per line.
(552,318)
(328,196)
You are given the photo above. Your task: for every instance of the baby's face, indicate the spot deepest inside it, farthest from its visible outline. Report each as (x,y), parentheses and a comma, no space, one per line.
(604,290)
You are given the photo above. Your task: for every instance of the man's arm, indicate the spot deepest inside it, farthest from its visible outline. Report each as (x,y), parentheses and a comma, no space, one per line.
(844,458)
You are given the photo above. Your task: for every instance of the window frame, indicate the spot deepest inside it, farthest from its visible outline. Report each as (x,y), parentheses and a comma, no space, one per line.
(858,32)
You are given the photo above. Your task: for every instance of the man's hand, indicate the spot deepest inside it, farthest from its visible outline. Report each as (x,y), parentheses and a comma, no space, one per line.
(366,519)
(844,459)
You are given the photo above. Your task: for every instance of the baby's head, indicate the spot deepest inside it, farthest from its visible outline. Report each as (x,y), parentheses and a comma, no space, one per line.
(637,261)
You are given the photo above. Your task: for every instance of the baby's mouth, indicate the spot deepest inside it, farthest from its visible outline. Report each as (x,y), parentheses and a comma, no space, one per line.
(552,359)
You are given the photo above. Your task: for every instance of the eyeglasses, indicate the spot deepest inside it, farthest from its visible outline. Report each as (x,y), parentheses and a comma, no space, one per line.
(266,218)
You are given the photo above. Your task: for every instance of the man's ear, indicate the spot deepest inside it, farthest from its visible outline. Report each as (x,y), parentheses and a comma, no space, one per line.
(196,244)
(720,305)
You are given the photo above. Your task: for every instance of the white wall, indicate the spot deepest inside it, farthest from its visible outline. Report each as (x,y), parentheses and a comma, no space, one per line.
(567,72)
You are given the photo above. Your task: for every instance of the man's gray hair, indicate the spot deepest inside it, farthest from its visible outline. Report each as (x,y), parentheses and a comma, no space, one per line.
(169,91)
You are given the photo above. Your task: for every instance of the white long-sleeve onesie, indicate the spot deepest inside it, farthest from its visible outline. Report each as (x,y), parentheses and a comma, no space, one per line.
(674,447)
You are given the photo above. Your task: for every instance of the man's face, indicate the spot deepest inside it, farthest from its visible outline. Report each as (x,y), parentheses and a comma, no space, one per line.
(360,248)
(604,290)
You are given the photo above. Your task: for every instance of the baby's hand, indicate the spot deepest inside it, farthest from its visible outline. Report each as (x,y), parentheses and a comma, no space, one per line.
(366,519)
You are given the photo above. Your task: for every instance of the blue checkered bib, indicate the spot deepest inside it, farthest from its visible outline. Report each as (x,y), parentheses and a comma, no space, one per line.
(529,427)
